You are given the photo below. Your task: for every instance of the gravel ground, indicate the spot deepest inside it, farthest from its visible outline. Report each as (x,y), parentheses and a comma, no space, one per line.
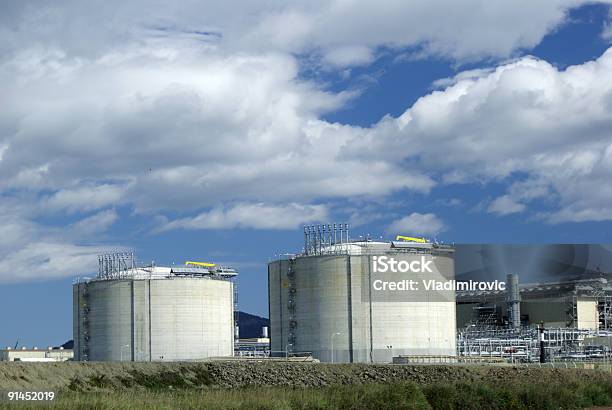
(232,374)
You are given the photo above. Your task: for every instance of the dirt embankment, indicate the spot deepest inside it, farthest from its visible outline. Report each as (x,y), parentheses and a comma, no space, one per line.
(116,376)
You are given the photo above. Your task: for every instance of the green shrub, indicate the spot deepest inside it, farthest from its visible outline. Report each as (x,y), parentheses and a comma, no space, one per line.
(377,396)
(522,395)
(191,389)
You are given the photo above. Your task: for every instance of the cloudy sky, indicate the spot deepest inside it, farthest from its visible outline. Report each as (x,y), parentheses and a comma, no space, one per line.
(213,130)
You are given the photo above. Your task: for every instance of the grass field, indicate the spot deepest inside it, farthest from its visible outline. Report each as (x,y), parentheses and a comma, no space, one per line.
(290,386)
(408,395)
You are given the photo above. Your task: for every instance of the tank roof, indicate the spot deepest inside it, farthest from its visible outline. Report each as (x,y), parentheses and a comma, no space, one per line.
(169,272)
(369,247)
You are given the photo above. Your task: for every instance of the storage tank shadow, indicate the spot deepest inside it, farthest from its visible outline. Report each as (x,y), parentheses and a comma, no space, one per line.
(153,313)
(323,301)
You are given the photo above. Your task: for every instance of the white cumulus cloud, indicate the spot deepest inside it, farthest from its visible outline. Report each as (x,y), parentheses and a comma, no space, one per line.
(334,29)
(252,215)
(417,224)
(31,251)
(85,198)
(96,223)
(200,109)
(546,132)
(505,205)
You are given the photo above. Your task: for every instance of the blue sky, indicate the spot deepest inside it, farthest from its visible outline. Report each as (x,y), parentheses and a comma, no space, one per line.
(479,122)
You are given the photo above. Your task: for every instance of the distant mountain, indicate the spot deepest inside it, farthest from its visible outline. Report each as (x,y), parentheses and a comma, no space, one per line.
(250,327)
(68,345)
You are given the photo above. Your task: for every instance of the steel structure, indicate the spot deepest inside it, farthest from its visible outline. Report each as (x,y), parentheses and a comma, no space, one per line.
(115,265)
(325,239)
(523,345)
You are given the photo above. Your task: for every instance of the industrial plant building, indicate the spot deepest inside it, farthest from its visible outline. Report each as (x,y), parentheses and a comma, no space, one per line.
(153,313)
(256,347)
(354,301)
(34,354)
(565,314)
(580,304)
(323,301)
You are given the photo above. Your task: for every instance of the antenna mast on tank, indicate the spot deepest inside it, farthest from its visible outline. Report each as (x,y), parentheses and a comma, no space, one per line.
(326,239)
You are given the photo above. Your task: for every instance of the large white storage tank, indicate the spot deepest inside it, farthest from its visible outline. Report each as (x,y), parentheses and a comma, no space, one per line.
(154,314)
(320,302)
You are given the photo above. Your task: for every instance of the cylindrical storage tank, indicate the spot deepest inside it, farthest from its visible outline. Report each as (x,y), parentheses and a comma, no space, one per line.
(323,305)
(169,319)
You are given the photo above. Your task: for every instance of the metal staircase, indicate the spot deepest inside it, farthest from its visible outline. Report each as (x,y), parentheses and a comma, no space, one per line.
(85,309)
(291,306)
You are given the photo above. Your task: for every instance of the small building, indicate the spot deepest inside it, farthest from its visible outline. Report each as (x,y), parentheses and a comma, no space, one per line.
(36,355)
(252,347)
(580,304)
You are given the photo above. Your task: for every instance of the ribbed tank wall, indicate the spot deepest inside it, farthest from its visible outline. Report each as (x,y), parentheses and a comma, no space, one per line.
(76,322)
(158,320)
(275,305)
(322,307)
(110,320)
(336,321)
(193,319)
